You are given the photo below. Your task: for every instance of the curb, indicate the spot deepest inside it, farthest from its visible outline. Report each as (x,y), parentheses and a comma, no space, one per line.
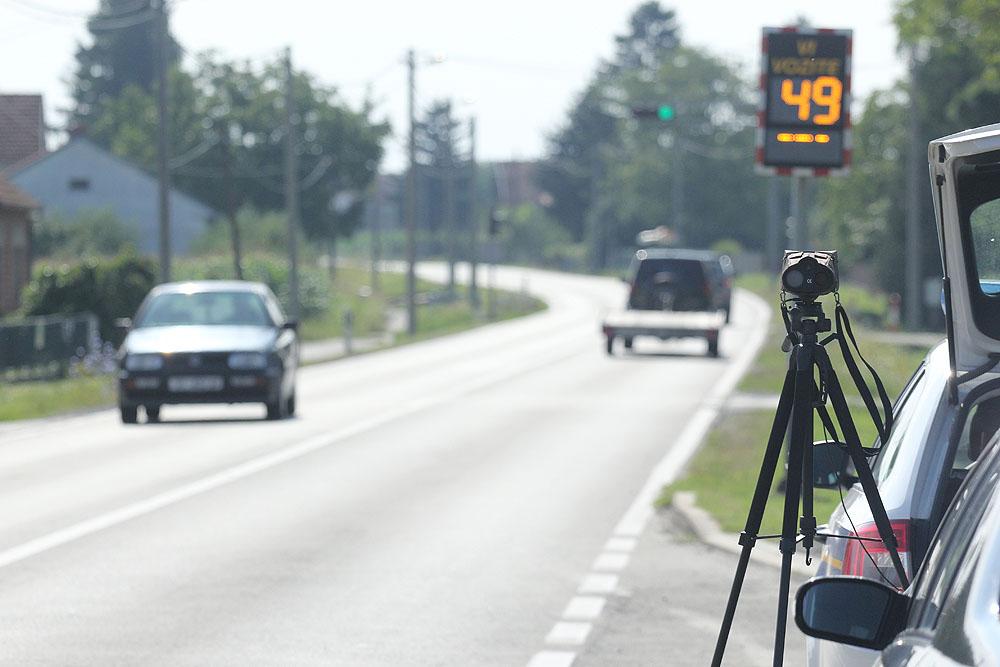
(707,531)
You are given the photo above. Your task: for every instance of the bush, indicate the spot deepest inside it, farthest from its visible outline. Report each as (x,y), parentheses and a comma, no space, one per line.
(259,232)
(531,236)
(109,288)
(94,233)
(314,287)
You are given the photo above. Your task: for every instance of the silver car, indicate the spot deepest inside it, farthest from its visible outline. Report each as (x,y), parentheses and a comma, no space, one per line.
(949,616)
(951,407)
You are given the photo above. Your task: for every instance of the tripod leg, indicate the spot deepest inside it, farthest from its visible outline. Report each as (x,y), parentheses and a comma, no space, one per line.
(801,435)
(752,527)
(862,468)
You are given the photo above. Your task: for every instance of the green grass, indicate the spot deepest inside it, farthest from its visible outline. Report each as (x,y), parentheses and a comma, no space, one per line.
(31,400)
(724,471)
(352,290)
(445,318)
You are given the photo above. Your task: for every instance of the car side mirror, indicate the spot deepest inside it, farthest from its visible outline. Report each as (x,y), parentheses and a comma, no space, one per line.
(291,325)
(123,323)
(851,610)
(829,464)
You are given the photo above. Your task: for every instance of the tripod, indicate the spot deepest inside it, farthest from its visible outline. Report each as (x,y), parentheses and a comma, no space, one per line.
(801,394)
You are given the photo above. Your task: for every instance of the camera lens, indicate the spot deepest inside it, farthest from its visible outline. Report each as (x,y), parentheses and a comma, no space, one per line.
(794,279)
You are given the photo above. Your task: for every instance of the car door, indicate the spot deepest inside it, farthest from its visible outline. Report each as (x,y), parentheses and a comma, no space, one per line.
(936,632)
(965,184)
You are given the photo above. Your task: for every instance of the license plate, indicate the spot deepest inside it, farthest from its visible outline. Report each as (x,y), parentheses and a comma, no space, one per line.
(182,383)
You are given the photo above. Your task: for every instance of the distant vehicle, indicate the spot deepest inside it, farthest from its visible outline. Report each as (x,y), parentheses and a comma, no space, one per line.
(952,405)
(674,294)
(948,615)
(208,342)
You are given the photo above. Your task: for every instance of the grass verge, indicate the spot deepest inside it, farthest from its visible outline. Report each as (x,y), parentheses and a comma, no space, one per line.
(724,472)
(43,398)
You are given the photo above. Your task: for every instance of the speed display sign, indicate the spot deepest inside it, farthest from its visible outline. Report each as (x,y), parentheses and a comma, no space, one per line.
(804,118)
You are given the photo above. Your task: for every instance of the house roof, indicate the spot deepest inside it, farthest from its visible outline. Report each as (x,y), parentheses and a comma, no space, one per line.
(22,128)
(12,197)
(38,162)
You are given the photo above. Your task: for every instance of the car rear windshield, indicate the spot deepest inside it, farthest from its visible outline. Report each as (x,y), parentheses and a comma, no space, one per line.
(676,271)
(979,213)
(205,308)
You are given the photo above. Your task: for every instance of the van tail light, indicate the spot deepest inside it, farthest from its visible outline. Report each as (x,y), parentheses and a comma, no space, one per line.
(706,288)
(858,564)
(728,283)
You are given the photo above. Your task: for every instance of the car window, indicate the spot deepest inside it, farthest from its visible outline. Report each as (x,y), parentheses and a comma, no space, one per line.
(906,408)
(952,547)
(205,308)
(980,426)
(984,222)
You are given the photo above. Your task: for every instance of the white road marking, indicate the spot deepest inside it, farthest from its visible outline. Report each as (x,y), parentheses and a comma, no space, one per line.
(584,608)
(599,583)
(636,518)
(568,632)
(623,544)
(228,476)
(611,562)
(552,659)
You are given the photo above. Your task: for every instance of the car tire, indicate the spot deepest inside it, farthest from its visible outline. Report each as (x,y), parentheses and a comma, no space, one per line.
(713,347)
(628,343)
(728,318)
(152,413)
(275,410)
(130,414)
(290,405)
(611,345)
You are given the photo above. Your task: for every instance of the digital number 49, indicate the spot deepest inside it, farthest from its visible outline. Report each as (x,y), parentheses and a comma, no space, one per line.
(825,91)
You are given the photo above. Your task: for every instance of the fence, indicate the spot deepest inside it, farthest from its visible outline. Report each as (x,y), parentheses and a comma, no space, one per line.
(45,346)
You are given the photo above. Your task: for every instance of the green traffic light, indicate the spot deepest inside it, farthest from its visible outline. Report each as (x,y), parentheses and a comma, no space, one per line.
(665,112)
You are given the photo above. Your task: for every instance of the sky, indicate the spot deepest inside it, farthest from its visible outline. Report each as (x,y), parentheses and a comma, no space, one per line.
(516,65)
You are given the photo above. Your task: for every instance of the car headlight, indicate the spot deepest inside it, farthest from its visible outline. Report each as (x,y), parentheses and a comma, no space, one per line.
(247,361)
(143,362)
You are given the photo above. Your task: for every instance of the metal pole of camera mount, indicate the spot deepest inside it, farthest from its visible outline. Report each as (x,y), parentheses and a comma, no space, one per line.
(796,406)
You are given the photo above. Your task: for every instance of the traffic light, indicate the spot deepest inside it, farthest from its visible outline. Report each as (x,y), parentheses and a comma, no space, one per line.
(663,112)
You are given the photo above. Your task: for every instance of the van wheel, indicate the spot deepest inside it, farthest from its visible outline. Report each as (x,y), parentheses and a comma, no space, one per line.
(713,347)
(275,410)
(152,413)
(628,343)
(728,317)
(130,415)
(290,405)
(611,345)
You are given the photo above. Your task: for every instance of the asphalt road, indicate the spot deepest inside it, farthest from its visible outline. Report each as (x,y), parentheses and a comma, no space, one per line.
(435,504)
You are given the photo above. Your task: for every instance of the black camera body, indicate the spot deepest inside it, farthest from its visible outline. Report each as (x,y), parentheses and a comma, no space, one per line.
(809,274)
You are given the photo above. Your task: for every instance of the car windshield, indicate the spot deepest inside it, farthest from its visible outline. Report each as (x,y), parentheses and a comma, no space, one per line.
(205,308)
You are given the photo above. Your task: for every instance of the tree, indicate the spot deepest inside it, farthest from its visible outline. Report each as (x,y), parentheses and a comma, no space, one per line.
(610,176)
(119,56)
(226,130)
(441,178)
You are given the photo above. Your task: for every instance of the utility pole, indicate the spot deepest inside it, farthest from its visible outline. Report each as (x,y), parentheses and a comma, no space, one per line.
(473,222)
(291,189)
(677,196)
(775,230)
(799,228)
(162,132)
(411,201)
(449,217)
(375,216)
(914,161)
(234,225)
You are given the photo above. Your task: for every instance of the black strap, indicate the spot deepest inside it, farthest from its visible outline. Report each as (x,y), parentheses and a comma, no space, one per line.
(883,419)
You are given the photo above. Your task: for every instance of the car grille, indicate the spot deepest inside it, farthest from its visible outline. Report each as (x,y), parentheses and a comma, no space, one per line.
(197,362)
